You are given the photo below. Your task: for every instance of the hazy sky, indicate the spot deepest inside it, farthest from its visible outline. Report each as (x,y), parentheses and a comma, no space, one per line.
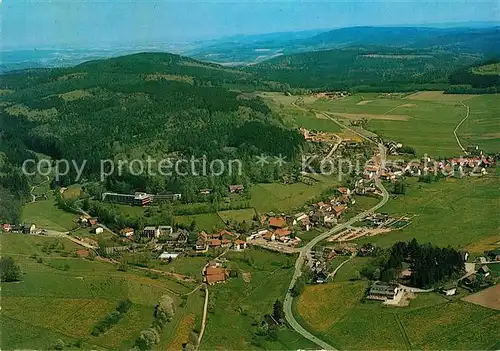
(87,23)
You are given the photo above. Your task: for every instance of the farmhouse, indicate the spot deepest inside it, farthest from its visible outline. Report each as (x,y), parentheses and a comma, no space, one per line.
(202,242)
(240,245)
(344,191)
(282,234)
(484,270)
(277,222)
(382,291)
(7,227)
(214,275)
(99,230)
(29,229)
(338,210)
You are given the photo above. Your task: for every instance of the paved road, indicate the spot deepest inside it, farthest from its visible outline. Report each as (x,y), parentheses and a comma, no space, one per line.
(300,262)
(287,306)
(459,124)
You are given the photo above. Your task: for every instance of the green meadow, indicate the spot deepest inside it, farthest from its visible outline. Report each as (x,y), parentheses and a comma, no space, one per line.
(456,212)
(482,128)
(286,197)
(46,215)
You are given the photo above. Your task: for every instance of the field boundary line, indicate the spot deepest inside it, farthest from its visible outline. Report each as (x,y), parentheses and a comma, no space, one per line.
(403,330)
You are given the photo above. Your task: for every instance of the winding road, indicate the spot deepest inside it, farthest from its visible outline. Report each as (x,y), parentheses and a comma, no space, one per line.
(287,306)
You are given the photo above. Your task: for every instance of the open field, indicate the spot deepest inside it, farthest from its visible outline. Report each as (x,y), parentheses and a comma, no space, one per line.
(388,117)
(245,214)
(236,304)
(488,298)
(284,197)
(25,245)
(334,312)
(412,120)
(439,96)
(64,297)
(72,192)
(203,221)
(444,212)
(46,215)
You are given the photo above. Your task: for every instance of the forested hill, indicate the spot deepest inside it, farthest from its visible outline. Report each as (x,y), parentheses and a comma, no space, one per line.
(377,68)
(139,105)
(459,39)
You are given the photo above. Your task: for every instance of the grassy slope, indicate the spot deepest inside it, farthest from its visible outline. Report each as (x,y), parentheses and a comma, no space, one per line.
(51,303)
(45,214)
(227,327)
(274,196)
(456,212)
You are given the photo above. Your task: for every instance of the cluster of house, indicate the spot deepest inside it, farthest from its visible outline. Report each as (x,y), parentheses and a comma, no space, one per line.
(461,166)
(223,238)
(90,222)
(479,279)
(20,229)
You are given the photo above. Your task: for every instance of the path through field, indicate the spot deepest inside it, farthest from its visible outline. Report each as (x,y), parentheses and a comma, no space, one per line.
(459,124)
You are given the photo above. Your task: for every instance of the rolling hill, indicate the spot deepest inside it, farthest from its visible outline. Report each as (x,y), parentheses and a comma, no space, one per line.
(137,106)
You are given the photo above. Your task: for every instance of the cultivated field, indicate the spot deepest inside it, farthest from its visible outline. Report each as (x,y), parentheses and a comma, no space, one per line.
(63,297)
(488,298)
(423,120)
(482,126)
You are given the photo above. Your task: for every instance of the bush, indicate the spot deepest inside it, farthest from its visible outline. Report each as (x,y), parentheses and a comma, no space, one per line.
(9,270)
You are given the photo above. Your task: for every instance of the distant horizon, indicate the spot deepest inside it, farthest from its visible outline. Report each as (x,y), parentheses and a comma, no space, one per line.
(174,43)
(39,24)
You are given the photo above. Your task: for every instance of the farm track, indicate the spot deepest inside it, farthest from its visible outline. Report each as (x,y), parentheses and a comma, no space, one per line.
(459,124)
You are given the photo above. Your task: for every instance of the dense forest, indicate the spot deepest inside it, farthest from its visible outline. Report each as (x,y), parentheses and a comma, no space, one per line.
(476,79)
(140,106)
(428,264)
(366,68)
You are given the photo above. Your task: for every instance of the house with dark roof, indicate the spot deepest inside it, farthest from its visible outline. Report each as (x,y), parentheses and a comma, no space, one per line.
(382,291)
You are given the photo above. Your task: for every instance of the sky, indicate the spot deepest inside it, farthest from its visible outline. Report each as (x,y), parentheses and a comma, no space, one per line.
(90,23)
